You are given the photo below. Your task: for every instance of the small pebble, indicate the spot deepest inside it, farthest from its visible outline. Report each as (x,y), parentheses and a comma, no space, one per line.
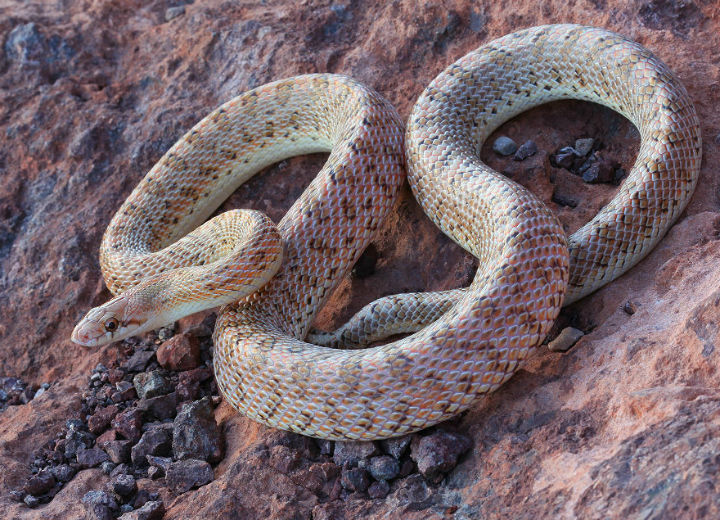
(40,483)
(379,489)
(31,501)
(629,307)
(99,505)
(599,171)
(128,423)
(123,485)
(118,451)
(173,12)
(151,510)
(64,472)
(354,479)
(584,146)
(562,200)
(505,146)
(126,508)
(566,339)
(438,453)
(351,452)
(396,446)
(619,175)
(151,384)
(91,457)
(564,157)
(155,441)
(384,467)
(326,446)
(527,149)
(186,474)
(107,467)
(17,495)
(139,360)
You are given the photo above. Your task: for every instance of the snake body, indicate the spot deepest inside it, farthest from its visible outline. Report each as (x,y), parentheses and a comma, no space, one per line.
(476,337)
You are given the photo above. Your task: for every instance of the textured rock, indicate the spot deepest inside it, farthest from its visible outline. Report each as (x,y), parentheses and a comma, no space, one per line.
(151,384)
(187,474)
(438,452)
(128,423)
(93,93)
(383,467)
(503,145)
(196,434)
(118,451)
(397,446)
(152,510)
(156,441)
(181,352)
(101,419)
(354,479)
(351,452)
(40,483)
(91,457)
(123,485)
(99,505)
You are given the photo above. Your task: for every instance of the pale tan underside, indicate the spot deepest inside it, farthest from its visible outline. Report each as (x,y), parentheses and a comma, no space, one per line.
(479,335)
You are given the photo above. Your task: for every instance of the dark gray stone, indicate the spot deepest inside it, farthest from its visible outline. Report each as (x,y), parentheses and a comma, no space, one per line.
(128,423)
(354,479)
(91,457)
(196,434)
(156,441)
(151,384)
(504,145)
(123,484)
(161,407)
(64,472)
(584,146)
(187,474)
(151,510)
(383,467)
(396,446)
(527,149)
(99,505)
(438,453)
(40,484)
(31,501)
(173,12)
(351,452)
(139,360)
(25,44)
(379,489)
(118,451)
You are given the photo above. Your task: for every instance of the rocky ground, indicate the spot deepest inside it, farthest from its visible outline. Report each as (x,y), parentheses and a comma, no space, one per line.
(625,424)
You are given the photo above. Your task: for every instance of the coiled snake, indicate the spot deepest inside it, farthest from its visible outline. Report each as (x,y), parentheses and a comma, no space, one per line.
(274,280)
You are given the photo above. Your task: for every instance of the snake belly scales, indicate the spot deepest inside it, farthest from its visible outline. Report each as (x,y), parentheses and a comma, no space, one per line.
(273,280)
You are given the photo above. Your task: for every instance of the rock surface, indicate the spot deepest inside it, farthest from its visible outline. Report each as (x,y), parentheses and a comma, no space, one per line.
(625,423)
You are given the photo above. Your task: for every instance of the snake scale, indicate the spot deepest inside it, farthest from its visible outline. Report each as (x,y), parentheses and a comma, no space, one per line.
(273,280)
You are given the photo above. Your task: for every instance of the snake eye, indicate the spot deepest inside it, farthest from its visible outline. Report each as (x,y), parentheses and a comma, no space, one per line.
(111,325)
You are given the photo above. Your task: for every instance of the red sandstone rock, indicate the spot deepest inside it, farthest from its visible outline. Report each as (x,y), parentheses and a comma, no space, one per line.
(181,352)
(95,92)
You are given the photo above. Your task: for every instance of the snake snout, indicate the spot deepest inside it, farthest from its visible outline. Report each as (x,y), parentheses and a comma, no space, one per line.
(84,335)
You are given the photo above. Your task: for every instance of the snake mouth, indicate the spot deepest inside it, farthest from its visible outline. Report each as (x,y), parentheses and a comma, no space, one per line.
(83,337)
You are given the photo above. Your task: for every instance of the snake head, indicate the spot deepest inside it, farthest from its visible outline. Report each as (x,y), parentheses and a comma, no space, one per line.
(112,321)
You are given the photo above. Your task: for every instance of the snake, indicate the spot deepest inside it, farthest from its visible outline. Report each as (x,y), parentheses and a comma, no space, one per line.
(271,280)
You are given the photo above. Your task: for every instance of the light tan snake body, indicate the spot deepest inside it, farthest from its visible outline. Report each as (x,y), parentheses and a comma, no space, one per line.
(479,335)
